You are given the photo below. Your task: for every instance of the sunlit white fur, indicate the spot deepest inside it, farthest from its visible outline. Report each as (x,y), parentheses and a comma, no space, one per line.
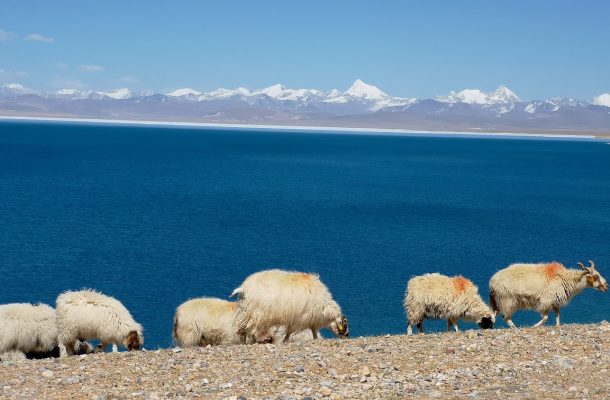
(434,296)
(88,314)
(293,300)
(203,321)
(26,328)
(527,286)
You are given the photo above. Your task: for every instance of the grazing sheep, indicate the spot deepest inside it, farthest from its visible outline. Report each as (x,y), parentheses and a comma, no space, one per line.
(540,287)
(438,296)
(294,300)
(203,321)
(89,314)
(27,328)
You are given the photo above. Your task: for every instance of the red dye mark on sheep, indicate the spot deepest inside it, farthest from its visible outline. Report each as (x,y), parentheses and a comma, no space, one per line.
(461,284)
(551,270)
(303,277)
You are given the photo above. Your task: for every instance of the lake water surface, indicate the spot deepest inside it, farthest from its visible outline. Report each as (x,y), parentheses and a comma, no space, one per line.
(155,216)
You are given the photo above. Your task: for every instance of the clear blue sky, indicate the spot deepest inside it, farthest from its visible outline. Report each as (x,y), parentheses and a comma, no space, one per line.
(422,48)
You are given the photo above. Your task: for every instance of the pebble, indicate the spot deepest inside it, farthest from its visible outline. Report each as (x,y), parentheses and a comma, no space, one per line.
(496,364)
(47,373)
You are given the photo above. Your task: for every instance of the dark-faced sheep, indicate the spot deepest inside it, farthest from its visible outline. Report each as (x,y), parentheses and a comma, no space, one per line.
(88,314)
(437,296)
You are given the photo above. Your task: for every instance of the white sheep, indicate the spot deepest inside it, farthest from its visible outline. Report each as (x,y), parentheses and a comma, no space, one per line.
(205,320)
(27,328)
(540,287)
(438,296)
(295,301)
(88,314)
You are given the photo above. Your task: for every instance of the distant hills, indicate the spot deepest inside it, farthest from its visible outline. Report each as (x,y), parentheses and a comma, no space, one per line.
(360,106)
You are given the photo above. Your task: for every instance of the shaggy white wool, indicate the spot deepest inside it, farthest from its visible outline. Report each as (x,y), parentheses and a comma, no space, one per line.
(295,301)
(205,320)
(88,314)
(540,287)
(436,296)
(27,328)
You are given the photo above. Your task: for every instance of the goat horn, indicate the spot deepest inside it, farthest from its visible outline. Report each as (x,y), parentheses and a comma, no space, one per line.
(592,264)
(582,266)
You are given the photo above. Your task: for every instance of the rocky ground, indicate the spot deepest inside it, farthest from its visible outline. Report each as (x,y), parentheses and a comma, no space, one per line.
(572,361)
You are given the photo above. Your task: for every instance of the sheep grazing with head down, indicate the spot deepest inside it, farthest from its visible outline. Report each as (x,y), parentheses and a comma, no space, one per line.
(89,314)
(205,321)
(26,328)
(437,296)
(295,301)
(540,287)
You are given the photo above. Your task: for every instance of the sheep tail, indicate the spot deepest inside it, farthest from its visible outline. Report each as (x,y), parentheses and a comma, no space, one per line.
(492,301)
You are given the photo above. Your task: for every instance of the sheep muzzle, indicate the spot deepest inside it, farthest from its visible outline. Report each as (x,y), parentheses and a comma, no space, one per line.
(133,341)
(486,323)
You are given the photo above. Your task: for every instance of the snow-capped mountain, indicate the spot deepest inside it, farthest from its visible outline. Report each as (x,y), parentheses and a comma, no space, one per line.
(602,100)
(502,95)
(118,94)
(15,89)
(360,105)
(184,92)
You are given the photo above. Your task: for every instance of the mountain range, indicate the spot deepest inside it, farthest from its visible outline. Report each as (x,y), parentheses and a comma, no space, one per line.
(360,106)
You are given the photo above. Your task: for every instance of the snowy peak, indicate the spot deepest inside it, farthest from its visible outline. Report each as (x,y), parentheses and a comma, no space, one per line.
(502,95)
(118,94)
(602,100)
(273,91)
(15,89)
(184,92)
(364,91)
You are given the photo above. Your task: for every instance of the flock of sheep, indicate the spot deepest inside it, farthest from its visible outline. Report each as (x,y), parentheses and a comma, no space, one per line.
(276,305)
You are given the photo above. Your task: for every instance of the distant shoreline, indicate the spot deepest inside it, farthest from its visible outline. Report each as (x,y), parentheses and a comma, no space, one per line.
(304,128)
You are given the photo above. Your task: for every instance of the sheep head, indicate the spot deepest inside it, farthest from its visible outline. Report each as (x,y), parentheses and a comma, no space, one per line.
(340,327)
(134,341)
(487,322)
(594,278)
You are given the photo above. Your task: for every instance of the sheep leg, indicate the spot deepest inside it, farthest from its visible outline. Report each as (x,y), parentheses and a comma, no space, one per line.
(449,323)
(545,316)
(509,320)
(410,328)
(556,310)
(455,326)
(64,350)
(288,333)
(114,348)
(420,327)
(314,332)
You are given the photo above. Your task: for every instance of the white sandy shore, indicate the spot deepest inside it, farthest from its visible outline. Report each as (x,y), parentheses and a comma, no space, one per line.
(297,128)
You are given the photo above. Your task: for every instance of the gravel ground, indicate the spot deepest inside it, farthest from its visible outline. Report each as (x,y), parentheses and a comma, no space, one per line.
(567,362)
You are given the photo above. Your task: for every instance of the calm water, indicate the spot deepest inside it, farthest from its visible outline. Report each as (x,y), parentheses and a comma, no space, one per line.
(154,216)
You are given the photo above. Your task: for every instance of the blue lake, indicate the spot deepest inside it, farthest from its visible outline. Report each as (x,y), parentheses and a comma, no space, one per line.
(154,216)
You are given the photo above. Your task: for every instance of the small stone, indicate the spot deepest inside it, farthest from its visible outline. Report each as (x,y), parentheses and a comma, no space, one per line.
(299,369)
(176,349)
(365,371)
(72,380)
(326,391)
(47,373)
(188,387)
(326,383)
(225,385)
(204,382)
(572,389)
